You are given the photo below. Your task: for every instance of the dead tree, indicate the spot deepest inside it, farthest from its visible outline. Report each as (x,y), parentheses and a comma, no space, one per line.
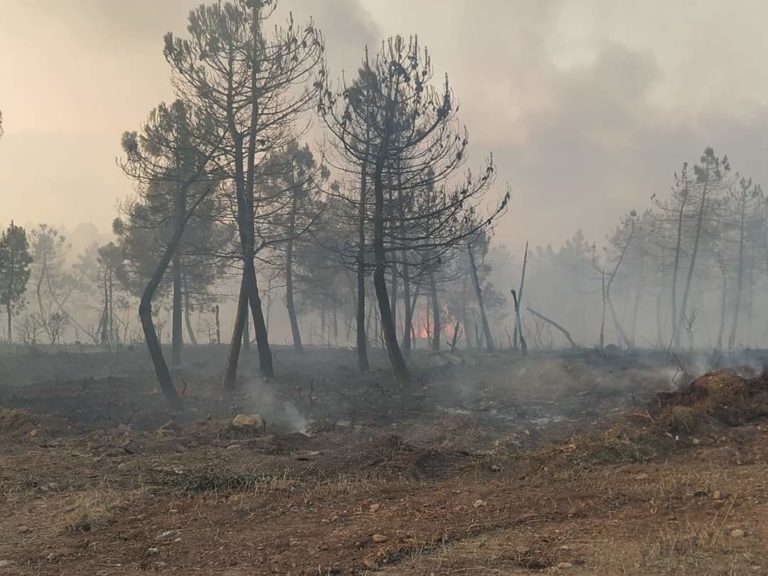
(556,326)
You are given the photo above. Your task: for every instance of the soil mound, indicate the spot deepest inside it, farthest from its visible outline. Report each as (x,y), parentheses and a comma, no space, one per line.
(720,398)
(393,455)
(14,423)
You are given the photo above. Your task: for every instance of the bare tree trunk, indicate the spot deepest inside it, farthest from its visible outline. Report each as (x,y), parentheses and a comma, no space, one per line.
(675,268)
(692,264)
(148,326)
(380,281)
(218,323)
(721,328)
(436,320)
(187,316)
(602,318)
(266,366)
(176,327)
(241,318)
(518,325)
(740,274)
(489,343)
(394,295)
(362,333)
(408,310)
(9,311)
(638,292)
(246,339)
(295,332)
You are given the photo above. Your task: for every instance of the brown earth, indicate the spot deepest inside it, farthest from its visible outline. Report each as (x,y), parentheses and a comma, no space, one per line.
(487,465)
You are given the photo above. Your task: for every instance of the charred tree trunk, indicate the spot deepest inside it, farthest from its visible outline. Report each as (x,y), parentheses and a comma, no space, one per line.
(218,323)
(675,269)
(436,320)
(188,315)
(176,316)
(692,264)
(295,332)
(490,346)
(557,326)
(362,332)
(721,328)
(145,314)
(241,317)
(518,324)
(740,273)
(380,280)
(407,311)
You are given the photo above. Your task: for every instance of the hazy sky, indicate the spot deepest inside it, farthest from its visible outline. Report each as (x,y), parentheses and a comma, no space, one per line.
(589,106)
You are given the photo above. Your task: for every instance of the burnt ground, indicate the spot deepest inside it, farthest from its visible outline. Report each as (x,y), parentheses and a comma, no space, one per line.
(578,463)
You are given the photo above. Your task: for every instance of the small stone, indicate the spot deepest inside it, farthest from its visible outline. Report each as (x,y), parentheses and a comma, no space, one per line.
(641,476)
(248,421)
(379,538)
(374,507)
(495,468)
(153,551)
(25,529)
(233,447)
(343,425)
(738,533)
(696,441)
(564,565)
(479,503)
(170,426)
(717,495)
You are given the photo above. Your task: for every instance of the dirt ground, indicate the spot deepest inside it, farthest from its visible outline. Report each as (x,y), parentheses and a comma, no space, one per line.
(577,463)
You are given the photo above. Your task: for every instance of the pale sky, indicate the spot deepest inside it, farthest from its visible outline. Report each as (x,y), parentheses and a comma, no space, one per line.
(589,106)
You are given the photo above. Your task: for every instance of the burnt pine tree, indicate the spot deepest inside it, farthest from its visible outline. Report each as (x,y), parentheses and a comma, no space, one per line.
(293,182)
(15,261)
(253,85)
(178,148)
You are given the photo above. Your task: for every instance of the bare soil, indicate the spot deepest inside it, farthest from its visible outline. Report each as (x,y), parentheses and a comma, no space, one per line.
(580,463)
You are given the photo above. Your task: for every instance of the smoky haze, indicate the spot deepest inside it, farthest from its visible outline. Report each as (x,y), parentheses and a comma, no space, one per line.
(587,108)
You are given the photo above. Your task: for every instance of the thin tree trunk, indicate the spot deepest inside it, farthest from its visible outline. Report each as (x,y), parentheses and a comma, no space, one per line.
(602,318)
(692,265)
(436,319)
(216,310)
(721,328)
(295,332)
(176,327)
(557,326)
(148,326)
(187,316)
(489,343)
(379,278)
(407,311)
(675,269)
(241,317)
(740,275)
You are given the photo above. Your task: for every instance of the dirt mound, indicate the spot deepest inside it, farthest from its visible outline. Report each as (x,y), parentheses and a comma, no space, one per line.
(714,399)
(14,423)
(393,455)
